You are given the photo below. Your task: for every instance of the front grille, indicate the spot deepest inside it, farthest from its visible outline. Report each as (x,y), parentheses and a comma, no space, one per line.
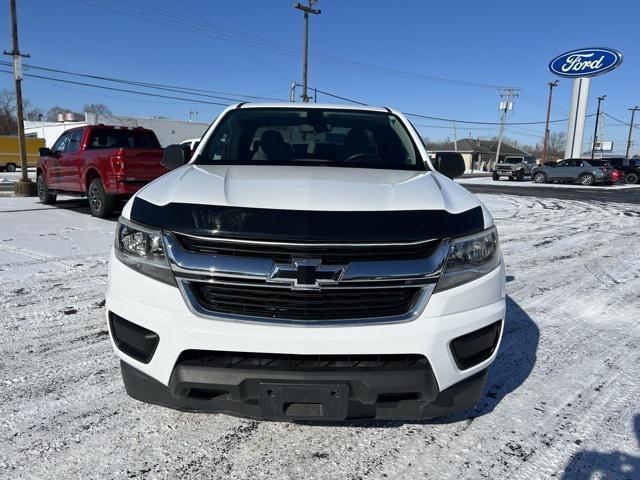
(283,303)
(329,254)
(276,361)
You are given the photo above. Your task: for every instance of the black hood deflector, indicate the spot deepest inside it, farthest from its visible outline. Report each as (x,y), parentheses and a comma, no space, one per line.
(307,225)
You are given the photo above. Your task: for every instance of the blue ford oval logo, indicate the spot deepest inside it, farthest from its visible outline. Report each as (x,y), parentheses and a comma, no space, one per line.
(586,62)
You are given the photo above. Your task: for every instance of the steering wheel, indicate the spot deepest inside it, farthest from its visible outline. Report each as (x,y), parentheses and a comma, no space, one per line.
(359,156)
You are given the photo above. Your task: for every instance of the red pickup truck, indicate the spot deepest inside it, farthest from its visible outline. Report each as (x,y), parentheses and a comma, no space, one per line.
(104,163)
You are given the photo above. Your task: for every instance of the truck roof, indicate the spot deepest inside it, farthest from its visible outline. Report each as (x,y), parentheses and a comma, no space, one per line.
(294,105)
(109,127)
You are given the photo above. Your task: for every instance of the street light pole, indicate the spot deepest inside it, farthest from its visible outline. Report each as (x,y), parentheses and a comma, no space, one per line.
(24,187)
(630,138)
(546,128)
(307,9)
(595,131)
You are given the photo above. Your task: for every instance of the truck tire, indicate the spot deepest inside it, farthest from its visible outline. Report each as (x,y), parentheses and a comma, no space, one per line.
(520,175)
(495,176)
(587,179)
(10,167)
(540,177)
(100,202)
(631,177)
(45,196)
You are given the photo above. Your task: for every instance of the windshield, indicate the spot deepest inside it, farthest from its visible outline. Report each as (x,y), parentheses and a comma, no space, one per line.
(325,137)
(513,160)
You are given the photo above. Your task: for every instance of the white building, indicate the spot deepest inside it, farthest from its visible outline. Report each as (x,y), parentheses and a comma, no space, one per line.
(168,131)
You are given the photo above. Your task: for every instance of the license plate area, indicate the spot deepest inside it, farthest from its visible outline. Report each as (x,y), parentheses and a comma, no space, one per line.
(302,401)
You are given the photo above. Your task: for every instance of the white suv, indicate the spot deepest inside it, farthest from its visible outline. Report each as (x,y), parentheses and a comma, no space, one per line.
(307,263)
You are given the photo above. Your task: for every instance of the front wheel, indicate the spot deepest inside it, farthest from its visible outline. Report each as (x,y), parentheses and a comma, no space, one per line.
(45,196)
(587,179)
(540,178)
(631,178)
(100,202)
(520,175)
(495,176)
(10,167)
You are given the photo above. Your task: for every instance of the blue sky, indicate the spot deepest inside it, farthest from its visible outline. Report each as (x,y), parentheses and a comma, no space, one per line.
(494,43)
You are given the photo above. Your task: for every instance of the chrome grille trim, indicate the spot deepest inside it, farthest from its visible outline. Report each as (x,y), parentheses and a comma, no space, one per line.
(183,262)
(238,271)
(302,244)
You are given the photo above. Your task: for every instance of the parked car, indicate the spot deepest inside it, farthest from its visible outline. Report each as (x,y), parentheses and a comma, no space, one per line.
(308,263)
(516,167)
(104,163)
(629,166)
(585,172)
(10,152)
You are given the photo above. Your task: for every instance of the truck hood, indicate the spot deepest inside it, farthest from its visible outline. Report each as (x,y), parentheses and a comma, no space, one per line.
(308,188)
(508,164)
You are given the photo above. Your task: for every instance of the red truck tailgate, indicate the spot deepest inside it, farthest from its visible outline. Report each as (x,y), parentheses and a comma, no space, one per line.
(142,163)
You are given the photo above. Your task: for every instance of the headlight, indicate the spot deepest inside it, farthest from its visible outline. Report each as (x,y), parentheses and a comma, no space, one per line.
(142,249)
(469,258)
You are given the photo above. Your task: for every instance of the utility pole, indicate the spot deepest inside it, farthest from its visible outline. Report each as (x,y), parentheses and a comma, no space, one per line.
(192,113)
(595,130)
(307,9)
(546,128)
(455,137)
(506,105)
(25,187)
(630,138)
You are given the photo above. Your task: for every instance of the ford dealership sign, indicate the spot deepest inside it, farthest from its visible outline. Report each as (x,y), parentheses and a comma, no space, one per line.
(586,62)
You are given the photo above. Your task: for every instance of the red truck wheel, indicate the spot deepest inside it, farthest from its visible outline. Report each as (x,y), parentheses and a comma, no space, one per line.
(100,203)
(45,196)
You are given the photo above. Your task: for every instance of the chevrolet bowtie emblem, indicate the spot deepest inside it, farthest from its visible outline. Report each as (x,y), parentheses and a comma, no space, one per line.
(306,274)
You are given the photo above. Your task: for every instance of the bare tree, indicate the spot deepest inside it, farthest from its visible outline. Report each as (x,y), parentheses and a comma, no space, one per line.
(556,144)
(8,123)
(97,108)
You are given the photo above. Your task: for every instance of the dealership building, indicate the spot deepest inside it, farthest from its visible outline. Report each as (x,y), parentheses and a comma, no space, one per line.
(479,154)
(168,131)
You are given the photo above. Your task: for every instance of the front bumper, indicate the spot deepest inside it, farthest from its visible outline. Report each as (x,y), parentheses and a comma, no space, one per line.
(446,387)
(247,393)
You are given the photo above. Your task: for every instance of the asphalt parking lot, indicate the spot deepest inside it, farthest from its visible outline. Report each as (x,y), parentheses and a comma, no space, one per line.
(622,193)
(561,400)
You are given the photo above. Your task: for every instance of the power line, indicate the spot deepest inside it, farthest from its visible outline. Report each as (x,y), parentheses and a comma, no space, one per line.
(621,121)
(474,122)
(336,96)
(191,91)
(172,88)
(173,20)
(255,57)
(93,85)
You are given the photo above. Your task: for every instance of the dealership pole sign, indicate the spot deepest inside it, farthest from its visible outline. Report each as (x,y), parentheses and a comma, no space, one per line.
(581,65)
(587,62)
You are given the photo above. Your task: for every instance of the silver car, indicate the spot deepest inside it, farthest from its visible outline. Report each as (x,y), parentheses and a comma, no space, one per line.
(585,172)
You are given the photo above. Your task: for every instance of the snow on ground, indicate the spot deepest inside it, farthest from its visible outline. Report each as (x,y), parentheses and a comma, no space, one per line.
(12,177)
(562,397)
(528,183)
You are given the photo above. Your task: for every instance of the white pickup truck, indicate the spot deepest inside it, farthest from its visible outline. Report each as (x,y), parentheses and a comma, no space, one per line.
(307,262)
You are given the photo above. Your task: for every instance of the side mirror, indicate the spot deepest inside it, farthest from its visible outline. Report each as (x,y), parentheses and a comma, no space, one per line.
(450,164)
(44,152)
(175,156)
